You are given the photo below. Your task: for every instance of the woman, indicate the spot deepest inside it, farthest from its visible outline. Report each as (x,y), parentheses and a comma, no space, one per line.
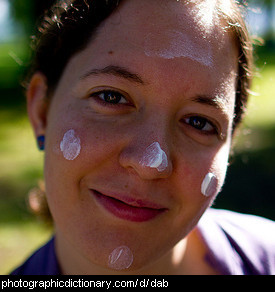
(135,103)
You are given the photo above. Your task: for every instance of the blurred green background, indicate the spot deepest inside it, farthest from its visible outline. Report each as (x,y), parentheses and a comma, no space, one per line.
(250,183)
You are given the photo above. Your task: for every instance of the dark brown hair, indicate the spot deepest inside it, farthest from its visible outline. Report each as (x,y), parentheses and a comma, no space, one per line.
(66,29)
(236,24)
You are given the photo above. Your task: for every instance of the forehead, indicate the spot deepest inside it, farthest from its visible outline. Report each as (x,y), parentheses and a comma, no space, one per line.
(167,42)
(181,28)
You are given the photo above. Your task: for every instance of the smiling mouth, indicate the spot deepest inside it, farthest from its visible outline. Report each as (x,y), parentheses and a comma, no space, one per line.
(144,211)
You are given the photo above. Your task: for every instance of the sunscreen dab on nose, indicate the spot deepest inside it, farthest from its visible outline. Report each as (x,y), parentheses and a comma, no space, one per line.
(155,157)
(121,258)
(209,185)
(70,145)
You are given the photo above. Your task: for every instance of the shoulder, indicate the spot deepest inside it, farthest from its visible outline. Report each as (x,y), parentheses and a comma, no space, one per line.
(239,243)
(41,262)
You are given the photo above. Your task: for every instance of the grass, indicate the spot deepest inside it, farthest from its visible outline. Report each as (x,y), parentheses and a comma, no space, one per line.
(21,164)
(20,169)
(17,242)
(262,105)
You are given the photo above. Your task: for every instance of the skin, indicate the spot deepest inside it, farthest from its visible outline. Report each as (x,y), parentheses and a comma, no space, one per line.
(160,96)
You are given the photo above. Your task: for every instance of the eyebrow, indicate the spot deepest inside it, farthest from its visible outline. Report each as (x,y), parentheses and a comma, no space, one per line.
(122,72)
(116,71)
(215,102)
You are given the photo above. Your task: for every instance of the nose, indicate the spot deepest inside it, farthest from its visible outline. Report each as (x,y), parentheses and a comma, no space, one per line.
(154,157)
(149,160)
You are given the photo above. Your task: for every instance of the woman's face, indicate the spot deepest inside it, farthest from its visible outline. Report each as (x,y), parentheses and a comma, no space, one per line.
(137,121)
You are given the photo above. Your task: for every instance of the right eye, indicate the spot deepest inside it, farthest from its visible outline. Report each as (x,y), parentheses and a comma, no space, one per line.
(201,124)
(110,97)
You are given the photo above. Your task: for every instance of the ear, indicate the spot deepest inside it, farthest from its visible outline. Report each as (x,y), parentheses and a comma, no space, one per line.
(37,103)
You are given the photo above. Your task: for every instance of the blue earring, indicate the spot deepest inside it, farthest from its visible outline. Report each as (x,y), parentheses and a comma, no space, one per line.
(41,142)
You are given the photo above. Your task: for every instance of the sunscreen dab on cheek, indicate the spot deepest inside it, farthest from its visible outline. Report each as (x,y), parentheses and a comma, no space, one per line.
(70,145)
(209,185)
(155,157)
(121,258)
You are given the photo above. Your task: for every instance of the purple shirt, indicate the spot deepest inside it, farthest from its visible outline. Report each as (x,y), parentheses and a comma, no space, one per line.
(41,262)
(237,244)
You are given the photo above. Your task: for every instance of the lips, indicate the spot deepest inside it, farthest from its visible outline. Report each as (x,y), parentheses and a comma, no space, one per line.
(127,208)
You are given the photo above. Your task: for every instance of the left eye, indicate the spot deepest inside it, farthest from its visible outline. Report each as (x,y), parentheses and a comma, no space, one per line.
(201,124)
(110,97)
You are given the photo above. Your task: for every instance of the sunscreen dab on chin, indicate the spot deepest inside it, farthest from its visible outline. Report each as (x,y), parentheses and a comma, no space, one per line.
(121,258)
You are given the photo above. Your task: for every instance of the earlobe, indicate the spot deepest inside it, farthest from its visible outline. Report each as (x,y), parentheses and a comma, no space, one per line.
(37,103)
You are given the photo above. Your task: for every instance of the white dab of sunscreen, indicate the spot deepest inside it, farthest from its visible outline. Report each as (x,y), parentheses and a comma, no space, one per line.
(121,258)
(70,145)
(177,44)
(155,157)
(209,185)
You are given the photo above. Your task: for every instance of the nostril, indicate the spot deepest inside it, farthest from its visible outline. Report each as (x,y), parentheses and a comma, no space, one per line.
(154,157)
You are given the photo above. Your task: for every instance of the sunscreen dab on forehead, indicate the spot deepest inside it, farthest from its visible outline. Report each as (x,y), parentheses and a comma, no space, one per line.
(177,44)
(189,34)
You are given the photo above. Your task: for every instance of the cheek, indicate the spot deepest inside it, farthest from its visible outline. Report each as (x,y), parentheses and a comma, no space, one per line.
(202,177)
(70,145)
(214,176)
(71,153)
